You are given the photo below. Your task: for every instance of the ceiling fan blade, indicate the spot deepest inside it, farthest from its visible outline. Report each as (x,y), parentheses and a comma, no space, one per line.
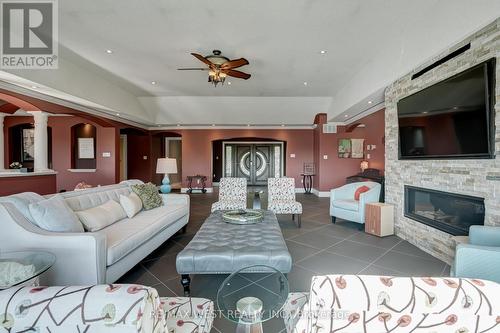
(202,59)
(234,63)
(192,69)
(237,74)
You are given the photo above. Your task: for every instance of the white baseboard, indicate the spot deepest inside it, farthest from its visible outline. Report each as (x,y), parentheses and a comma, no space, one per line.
(185,189)
(321,194)
(300,190)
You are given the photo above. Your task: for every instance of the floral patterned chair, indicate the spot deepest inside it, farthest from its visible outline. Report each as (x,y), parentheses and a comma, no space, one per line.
(232,194)
(101,308)
(357,303)
(281,197)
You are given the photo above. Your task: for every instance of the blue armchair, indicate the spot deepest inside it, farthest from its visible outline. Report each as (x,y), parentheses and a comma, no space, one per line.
(480,258)
(343,205)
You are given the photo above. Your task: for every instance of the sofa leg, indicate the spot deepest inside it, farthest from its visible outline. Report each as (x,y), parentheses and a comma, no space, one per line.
(299,220)
(333,219)
(184,229)
(186,281)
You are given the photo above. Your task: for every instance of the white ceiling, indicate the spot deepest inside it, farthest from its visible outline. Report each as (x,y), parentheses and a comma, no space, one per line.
(368,44)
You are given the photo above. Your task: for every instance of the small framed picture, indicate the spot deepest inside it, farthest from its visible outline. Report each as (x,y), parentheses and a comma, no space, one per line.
(28,144)
(86,148)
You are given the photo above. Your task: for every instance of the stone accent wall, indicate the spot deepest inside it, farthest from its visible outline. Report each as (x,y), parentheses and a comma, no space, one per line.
(473,177)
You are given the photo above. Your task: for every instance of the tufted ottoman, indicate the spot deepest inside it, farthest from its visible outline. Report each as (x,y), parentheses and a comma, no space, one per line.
(223,248)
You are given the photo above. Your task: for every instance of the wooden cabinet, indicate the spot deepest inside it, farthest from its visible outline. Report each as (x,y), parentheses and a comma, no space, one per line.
(379,219)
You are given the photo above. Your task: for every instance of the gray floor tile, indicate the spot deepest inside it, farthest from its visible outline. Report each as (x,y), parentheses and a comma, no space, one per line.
(299,251)
(411,265)
(299,279)
(167,248)
(408,248)
(163,268)
(316,239)
(377,270)
(340,230)
(357,250)
(384,242)
(138,275)
(330,263)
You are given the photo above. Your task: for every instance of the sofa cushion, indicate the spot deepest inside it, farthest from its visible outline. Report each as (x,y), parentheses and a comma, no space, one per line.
(131,204)
(126,235)
(99,217)
(22,201)
(54,215)
(149,195)
(351,205)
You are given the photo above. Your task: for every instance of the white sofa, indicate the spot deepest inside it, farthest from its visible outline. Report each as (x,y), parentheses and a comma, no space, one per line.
(343,205)
(95,257)
(102,308)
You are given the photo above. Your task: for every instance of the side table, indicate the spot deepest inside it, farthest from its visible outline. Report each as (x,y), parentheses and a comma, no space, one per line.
(307,182)
(24,267)
(379,219)
(200,180)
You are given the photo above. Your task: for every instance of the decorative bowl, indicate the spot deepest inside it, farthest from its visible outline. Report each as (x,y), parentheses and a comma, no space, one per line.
(243,216)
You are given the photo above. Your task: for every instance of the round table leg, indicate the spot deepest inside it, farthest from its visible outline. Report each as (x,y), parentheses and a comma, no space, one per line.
(307,182)
(249,328)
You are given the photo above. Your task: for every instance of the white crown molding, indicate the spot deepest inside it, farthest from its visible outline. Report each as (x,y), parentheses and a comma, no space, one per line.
(192,127)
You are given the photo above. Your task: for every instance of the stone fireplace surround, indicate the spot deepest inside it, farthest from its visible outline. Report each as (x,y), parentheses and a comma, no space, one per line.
(480,178)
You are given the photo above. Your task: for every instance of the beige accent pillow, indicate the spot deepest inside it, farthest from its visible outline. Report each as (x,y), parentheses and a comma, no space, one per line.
(131,204)
(99,217)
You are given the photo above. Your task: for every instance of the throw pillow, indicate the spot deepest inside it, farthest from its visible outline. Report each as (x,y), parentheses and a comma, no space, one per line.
(53,214)
(22,202)
(360,190)
(149,195)
(132,204)
(99,217)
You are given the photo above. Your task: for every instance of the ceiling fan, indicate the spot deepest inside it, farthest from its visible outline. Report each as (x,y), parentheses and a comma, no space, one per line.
(220,67)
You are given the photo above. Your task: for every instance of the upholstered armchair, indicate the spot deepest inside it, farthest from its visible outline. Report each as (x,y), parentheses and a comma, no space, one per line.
(479,258)
(281,197)
(102,308)
(344,205)
(232,194)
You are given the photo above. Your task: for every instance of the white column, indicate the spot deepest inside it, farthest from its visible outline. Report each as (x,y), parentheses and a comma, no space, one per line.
(2,152)
(41,140)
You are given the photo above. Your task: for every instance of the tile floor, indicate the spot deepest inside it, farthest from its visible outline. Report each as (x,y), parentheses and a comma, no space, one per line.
(319,247)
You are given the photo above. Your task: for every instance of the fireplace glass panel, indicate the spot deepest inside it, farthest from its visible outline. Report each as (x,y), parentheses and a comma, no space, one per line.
(449,212)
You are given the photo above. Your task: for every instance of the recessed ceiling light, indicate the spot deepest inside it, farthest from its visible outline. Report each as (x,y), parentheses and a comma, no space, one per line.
(118,114)
(322,51)
(370,102)
(213,125)
(248,125)
(346,115)
(425,112)
(229,82)
(282,125)
(178,125)
(153,82)
(305,83)
(109,51)
(34,87)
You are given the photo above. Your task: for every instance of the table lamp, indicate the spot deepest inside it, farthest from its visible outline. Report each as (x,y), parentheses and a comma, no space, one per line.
(166,166)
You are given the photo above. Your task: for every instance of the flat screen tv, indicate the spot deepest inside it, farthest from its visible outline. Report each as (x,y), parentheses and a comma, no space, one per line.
(452,119)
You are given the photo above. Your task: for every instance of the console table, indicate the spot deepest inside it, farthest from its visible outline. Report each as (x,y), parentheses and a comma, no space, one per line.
(200,180)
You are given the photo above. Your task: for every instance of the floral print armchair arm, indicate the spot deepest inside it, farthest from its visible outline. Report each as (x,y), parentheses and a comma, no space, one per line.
(102,308)
(356,303)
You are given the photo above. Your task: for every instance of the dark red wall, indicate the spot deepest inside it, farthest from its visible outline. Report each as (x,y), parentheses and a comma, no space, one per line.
(107,137)
(38,184)
(334,170)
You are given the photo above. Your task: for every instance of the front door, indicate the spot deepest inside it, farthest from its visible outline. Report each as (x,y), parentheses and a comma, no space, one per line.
(255,162)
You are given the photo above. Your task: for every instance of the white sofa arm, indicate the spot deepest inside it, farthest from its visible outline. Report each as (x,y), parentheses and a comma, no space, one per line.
(80,257)
(102,308)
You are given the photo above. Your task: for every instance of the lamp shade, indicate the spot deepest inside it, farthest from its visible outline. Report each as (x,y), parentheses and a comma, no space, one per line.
(166,165)
(364,165)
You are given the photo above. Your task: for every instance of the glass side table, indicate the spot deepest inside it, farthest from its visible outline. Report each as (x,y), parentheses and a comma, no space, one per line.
(249,298)
(23,268)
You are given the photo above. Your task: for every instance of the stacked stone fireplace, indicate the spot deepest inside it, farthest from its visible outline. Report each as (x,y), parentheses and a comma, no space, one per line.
(466,178)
